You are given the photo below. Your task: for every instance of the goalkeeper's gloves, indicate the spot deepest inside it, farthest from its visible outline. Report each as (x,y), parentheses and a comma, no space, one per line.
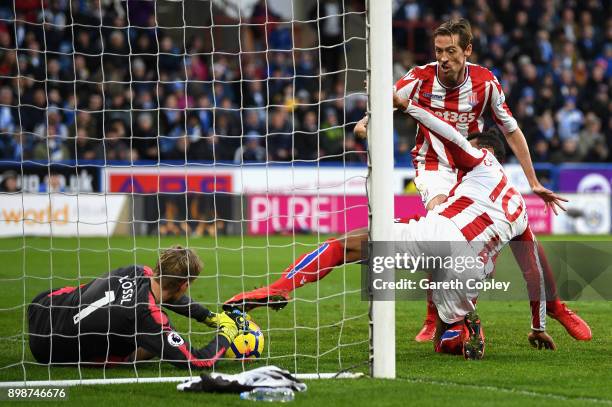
(240,318)
(228,328)
(214,319)
(230,324)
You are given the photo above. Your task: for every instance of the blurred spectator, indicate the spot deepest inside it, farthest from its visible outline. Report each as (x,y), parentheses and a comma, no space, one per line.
(280,138)
(252,123)
(545,128)
(115,147)
(145,137)
(570,120)
(332,136)
(540,151)
(251,150)
(33,111)
(591,142)
(8,110)
(204,113)
(52,139)
(358,110)
(353,152)
(84,121)
(52,183)
(119,108)
(307,137)
(9,182)
(180,149)
(569,152)
(84,147)
(178,96)
(228,131)
(329,13)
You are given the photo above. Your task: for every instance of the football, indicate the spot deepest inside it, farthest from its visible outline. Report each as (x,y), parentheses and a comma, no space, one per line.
(248,345)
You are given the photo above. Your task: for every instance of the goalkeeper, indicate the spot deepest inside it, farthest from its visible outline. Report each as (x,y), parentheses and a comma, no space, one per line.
(117,317)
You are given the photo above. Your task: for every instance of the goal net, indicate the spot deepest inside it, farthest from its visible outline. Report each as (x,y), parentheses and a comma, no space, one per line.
(224,126)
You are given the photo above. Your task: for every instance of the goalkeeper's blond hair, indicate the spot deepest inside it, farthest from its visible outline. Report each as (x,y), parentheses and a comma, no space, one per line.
(175,266)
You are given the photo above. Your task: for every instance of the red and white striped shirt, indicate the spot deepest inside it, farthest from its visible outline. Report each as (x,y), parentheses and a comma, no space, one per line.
(483,204)
(462,106)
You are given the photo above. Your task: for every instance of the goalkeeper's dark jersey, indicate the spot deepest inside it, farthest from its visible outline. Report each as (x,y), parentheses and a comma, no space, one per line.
(108,318)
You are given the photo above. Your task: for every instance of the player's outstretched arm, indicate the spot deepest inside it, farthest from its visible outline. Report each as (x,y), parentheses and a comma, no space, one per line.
(518,144)
(156,336)
(450,146)
(189,308)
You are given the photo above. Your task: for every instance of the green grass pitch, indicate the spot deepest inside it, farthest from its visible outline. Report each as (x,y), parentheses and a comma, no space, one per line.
(309,335)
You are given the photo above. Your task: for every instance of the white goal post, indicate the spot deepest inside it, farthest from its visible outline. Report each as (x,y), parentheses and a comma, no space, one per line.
(380,135)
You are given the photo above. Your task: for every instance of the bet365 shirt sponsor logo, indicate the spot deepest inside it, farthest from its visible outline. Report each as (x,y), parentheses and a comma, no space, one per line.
(455,117)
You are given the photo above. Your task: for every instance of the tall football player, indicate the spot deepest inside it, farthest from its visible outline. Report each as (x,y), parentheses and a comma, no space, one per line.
(460,92)
(117,318)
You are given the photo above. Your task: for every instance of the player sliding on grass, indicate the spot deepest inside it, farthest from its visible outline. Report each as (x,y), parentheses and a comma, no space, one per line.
(483,209)
(117,317)
(460,92)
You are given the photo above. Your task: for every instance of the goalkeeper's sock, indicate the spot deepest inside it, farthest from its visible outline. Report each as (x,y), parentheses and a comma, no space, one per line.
(311,266)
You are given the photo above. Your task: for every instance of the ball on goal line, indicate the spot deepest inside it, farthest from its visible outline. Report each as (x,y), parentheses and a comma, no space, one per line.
(248,345)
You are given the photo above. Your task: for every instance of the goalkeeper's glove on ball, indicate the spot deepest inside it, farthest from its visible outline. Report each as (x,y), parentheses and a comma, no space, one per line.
(214,319)
(240,318)
(227,327)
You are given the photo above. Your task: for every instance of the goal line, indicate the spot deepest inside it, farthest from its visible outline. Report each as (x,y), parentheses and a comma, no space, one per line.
(177,379)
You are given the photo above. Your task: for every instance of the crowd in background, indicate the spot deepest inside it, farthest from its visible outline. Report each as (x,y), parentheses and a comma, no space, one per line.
(97,81)
(553,59)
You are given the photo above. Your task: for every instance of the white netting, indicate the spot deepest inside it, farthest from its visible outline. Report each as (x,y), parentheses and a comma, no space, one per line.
(224,126)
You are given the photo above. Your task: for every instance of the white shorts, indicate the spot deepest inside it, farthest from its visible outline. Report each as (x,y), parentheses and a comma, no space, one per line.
(428,236)
(433,183)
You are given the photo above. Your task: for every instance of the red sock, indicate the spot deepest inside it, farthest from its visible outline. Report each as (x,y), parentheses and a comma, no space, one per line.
(528,260)
(432,311)
(549,278)
(553,306)
(311,266)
